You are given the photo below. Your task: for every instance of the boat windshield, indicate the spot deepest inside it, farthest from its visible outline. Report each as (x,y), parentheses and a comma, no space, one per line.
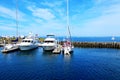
(48,41)
(29,41)
(51,36)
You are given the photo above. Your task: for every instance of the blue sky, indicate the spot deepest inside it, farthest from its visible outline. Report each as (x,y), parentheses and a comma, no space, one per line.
(87,17)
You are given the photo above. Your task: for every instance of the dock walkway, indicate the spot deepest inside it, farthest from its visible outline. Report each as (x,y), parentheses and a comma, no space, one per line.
(57,49)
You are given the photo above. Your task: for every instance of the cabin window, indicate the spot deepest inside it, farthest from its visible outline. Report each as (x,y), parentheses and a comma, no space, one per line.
(48,41)
(28,41)
(51,41)
(25,41)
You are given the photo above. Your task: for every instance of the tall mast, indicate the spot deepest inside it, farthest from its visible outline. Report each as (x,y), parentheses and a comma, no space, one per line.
(17,18)
(67,14)
(68,29)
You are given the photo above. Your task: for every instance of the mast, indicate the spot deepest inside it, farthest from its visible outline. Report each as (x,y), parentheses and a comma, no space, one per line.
(17,18)
(68,29)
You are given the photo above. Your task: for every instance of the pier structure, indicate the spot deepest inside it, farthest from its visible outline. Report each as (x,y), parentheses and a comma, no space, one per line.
(115,45)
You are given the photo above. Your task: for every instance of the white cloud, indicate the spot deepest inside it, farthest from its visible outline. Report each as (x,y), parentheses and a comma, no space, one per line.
(55,27)
(102,20)
(7,27)
(105,25)
(11,13)
(42,13)
(52,3)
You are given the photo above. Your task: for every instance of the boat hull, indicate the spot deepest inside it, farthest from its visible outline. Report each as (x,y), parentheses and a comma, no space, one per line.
(23,48)
(10,50)
(48,48)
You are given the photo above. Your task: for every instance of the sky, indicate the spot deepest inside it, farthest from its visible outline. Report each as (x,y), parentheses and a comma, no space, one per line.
(42,17)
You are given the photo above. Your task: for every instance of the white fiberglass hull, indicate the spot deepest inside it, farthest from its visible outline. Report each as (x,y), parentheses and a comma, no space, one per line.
(48,48)
(29,47)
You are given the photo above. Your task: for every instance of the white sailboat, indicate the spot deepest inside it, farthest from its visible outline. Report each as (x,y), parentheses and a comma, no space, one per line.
(12,47)
(67,45)
(113,38)
(50,43)
(30,42)
(9,47)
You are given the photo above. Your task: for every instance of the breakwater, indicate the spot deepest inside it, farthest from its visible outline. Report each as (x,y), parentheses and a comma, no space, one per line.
(115,45)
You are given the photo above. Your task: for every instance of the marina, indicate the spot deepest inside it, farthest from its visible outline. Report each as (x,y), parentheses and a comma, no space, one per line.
(67,40)
(59,48)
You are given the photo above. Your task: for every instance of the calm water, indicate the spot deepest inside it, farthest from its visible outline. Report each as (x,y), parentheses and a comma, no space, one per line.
(83,64)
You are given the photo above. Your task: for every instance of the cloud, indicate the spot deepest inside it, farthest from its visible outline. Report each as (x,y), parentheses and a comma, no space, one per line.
(7,27)
(52,3)
(55,27)
(42,13)
(11,13)
(87,18)
(98,20)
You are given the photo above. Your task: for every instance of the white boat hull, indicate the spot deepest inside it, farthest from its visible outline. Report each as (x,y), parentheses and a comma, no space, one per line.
(48,48)
(30,42)
(28,47)
(50,43)
(9,48)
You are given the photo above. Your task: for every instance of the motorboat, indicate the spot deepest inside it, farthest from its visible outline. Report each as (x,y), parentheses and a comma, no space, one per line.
(50,43)
(30,42)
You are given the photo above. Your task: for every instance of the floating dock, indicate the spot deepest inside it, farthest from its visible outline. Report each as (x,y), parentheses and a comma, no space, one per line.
(58,49)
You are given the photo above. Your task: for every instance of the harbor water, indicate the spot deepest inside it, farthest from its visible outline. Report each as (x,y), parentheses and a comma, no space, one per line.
(82,64)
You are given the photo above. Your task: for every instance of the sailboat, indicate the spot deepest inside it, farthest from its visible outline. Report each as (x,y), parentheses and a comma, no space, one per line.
(14,46)
(67,45)
(9,47)
(113,38)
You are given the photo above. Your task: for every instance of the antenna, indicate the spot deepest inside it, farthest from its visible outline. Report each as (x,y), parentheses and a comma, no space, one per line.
(17,18)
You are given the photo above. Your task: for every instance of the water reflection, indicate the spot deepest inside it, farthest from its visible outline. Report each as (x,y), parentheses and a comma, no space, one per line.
(7,57)
(50,56)
(28,53)
(67,57)
(47,53)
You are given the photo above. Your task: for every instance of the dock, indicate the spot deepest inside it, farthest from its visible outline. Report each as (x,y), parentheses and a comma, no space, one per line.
(57,50)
